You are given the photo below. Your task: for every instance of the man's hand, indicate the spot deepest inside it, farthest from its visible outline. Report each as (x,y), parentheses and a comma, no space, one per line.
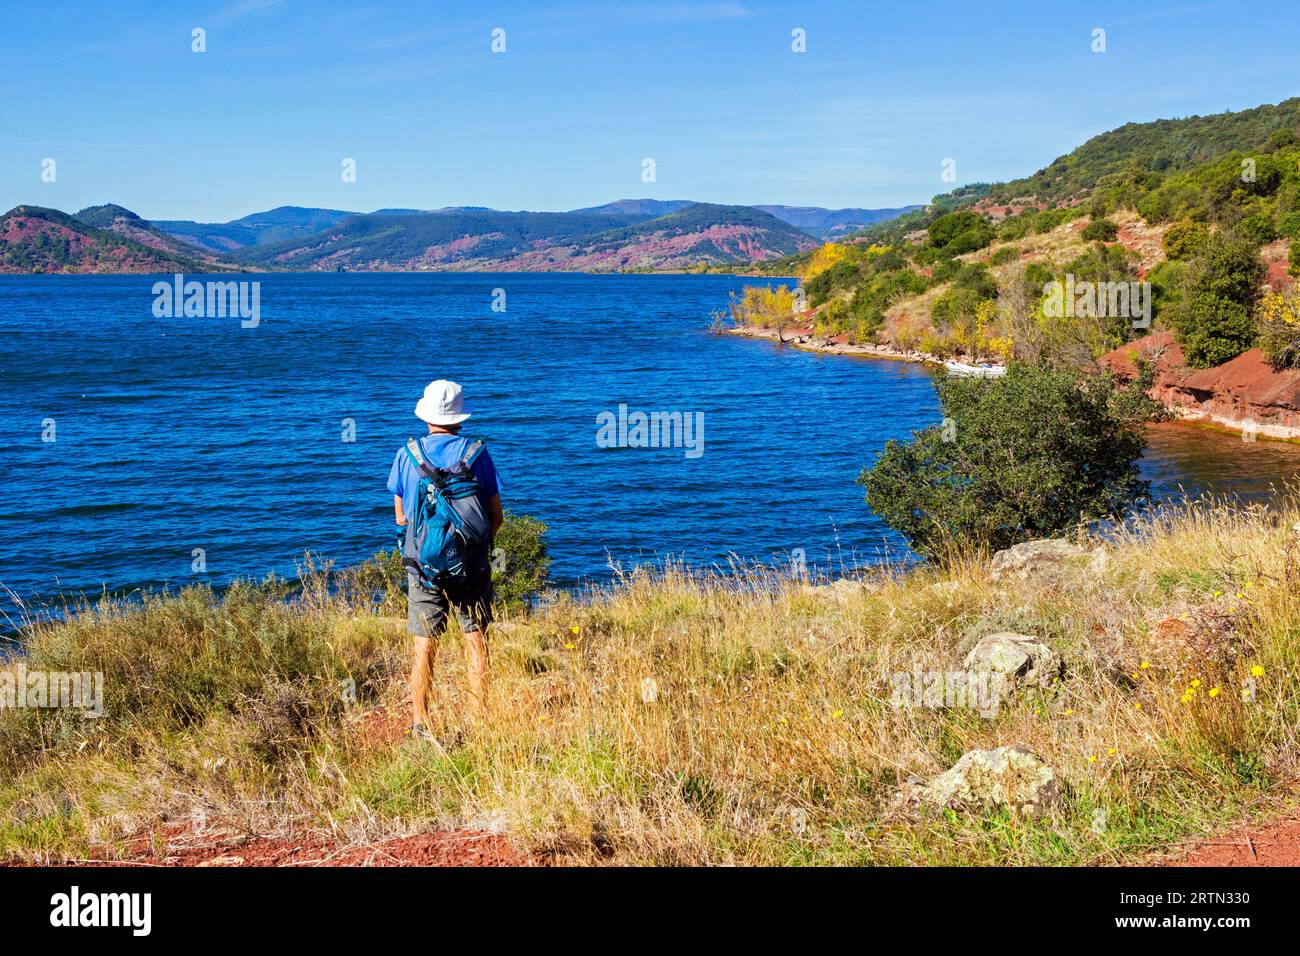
(400,514)
(496,514)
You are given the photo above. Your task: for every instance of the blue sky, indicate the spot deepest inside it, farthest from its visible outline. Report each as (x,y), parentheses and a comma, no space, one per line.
(712,91)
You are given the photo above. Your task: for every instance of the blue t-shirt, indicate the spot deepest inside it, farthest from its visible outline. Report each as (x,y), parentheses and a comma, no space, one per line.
(441,451)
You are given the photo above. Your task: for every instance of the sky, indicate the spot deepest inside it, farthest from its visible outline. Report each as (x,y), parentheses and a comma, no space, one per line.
(713,91)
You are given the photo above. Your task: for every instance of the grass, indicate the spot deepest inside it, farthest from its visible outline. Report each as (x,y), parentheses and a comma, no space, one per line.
(688,719)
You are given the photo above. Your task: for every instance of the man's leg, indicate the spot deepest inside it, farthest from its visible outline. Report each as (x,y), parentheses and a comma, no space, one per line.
(425,615)
(422,653)
(474,621)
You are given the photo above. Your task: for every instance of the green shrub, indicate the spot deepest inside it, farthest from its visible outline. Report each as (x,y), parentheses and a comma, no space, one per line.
(1101,230)
(1185,239)
(960,232)
(1214,319)
(521,567)
(1024,456)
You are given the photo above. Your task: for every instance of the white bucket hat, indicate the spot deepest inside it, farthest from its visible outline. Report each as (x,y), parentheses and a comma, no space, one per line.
(442,404)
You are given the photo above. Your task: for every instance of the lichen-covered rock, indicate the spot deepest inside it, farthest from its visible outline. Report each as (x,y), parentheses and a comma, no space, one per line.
(1018,658)
(1031,558)
(1006,776)
(840,588)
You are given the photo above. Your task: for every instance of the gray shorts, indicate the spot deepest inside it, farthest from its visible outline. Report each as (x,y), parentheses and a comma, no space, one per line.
(426,609)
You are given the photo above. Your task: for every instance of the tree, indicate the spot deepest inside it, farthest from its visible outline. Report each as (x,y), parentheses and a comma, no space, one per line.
(959,232)
(1279,329)
(1213,318)
(1023,456)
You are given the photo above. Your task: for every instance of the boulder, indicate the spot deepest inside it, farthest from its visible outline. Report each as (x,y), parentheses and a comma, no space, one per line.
(839,589)
(1031,558)
(1018,658)
(1006,776)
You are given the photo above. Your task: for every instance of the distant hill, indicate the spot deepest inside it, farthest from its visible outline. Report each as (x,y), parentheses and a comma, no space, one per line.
(260,228)
(833,223)
(646,208)
(36,239)
(1162,146)
(596,240)
(123,222)
(700,233)
(628,234)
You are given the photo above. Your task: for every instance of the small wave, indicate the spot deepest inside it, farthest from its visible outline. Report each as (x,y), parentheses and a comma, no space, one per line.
(81,511)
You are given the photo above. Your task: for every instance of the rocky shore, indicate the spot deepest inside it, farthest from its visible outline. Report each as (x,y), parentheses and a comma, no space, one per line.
(1244,395)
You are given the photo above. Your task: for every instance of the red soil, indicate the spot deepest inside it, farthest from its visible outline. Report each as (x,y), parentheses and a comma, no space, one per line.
(1271,844)
(216,846)
(1244,390)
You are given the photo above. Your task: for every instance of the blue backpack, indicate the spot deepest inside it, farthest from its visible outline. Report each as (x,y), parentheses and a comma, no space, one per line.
(449,537)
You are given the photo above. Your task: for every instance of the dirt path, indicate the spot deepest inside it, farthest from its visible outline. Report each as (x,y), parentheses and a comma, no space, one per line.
(216,846)
(1267,844)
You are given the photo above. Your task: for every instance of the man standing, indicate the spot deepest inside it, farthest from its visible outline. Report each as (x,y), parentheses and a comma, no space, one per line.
(443,409)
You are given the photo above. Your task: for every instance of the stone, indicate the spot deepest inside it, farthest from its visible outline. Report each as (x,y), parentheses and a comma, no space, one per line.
(1031,558)
(1018,658)
(840,588)
(1006,776)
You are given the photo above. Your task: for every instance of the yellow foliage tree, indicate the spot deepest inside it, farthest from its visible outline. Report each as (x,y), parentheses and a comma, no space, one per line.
(1278,318)
(764,306)
(826,256)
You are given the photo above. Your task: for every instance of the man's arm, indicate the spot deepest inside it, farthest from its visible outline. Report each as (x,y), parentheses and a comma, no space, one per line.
(397,509)
(496,513)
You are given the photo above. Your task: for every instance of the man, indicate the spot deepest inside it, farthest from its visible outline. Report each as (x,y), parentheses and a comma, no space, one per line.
(443,409)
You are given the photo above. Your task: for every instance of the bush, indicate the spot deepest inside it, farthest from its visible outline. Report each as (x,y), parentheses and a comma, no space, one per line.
(960,232)
(1214,318)
(944,270)
(1288,225)
(522,568)
(1101,230)
(1185,239)
(1024,456)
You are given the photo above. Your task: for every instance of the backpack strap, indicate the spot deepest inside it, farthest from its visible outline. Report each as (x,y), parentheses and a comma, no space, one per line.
(421,463)
(471,455)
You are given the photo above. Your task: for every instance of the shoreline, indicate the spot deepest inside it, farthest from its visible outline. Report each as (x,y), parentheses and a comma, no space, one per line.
(808,342)
(1199,416)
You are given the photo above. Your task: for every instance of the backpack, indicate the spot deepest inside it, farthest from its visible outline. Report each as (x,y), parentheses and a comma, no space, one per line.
(449,537)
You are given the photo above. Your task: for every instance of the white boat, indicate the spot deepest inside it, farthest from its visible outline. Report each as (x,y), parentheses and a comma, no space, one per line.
(986,370)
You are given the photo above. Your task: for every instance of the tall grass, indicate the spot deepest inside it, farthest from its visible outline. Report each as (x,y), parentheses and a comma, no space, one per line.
(687,718)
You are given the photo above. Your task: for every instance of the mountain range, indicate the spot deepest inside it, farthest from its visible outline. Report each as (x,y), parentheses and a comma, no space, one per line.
(625,235)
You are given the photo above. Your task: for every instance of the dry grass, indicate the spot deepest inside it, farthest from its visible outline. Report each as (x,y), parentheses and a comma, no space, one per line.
(698,720)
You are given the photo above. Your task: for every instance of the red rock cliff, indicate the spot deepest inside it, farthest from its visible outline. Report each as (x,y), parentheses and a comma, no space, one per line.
(1243,394)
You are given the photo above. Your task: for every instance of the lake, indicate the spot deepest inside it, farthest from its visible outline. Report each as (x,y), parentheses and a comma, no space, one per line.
(253,445)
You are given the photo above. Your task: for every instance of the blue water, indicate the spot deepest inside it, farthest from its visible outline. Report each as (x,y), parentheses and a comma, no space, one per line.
(183,433)
(178,434)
